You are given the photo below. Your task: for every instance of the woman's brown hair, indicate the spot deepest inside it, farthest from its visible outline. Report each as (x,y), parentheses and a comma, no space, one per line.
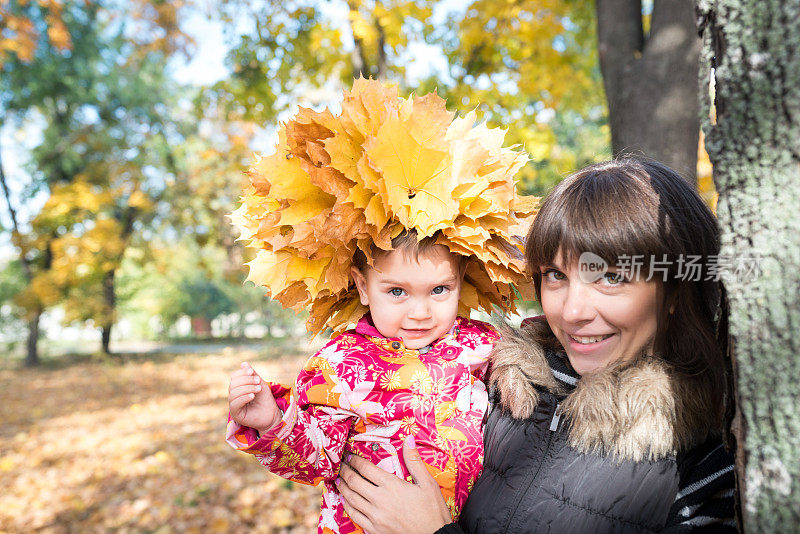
(640,208)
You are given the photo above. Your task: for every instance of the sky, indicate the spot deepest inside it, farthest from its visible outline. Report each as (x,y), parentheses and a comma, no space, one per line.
(208,63)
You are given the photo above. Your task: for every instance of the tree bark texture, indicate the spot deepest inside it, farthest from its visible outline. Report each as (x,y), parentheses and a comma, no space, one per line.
(650,80)
(754,146)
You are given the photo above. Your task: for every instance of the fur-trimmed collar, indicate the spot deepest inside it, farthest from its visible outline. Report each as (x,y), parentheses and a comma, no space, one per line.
(637,411)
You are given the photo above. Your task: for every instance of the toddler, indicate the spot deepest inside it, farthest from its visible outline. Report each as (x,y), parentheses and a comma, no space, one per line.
(413,367)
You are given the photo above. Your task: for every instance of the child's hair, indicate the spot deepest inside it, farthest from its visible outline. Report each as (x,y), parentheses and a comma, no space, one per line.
(630,207)
(408,243)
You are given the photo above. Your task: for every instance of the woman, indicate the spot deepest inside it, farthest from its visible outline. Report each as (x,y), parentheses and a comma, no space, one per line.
(608,410)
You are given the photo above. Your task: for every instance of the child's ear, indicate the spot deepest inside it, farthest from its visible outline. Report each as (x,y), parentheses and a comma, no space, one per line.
(361,284)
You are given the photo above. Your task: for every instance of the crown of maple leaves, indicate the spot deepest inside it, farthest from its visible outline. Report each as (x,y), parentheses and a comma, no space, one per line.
(384,165)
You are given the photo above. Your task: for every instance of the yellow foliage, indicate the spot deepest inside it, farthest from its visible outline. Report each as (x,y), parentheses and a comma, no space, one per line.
(73,197)
(139,200)
(415,176)
(278,270)
(42,292)
(375,23)
(705,177)
(58,34)
(77,225)
(338,184)
(21,36)
(525,32)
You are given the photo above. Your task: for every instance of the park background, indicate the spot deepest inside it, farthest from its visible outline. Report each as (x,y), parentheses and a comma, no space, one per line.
(126,128)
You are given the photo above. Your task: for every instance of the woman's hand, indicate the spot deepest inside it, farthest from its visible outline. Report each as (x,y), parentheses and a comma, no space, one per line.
(381,503)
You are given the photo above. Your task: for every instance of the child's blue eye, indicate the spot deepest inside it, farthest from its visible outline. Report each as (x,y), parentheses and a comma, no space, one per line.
(396,292)
(439,290)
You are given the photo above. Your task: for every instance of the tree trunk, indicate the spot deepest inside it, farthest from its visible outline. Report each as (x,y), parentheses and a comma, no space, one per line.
(32,345)
(651,81)
(359,55)
(126,218)
(105,338)
(380,73)
(754,146)
(110,299)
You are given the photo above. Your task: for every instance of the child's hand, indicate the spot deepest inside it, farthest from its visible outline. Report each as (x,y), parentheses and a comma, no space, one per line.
(251,402)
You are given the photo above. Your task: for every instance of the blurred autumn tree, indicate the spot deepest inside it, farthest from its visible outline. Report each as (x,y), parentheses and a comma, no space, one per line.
(533,66)
(33,33)
(98,88)
(213,162)
(12,282)
(530,65)
(131,163)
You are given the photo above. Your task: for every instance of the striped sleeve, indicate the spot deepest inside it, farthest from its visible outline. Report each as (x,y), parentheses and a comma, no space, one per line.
(705,499)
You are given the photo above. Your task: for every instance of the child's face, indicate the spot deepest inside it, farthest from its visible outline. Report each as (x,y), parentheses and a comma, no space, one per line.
(413,299)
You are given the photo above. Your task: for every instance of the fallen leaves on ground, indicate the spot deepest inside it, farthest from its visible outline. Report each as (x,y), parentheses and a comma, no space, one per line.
(138,445)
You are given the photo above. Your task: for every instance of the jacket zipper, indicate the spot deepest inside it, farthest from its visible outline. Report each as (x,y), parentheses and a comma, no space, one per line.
(556,418)
(553,427)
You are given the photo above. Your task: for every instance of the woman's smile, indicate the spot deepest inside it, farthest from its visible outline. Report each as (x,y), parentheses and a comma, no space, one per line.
(589,344)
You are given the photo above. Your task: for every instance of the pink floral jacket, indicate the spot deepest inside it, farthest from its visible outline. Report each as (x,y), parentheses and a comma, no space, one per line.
(364,394)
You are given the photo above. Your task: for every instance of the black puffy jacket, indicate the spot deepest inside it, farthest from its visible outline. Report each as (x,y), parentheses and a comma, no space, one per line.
(601,454)
(533,481)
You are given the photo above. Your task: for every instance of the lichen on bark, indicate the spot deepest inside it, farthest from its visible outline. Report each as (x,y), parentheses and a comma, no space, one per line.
(753,141)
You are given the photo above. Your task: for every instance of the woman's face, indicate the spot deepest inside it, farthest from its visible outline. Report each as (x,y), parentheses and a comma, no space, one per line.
(601,321)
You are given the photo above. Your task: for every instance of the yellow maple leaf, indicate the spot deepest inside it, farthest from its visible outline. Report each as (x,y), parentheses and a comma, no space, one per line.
(418,182)
(324,119)
(278,270)
(298,211)
(373,180)
(426,118)
(344,152)
(290,181)
(378,102)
